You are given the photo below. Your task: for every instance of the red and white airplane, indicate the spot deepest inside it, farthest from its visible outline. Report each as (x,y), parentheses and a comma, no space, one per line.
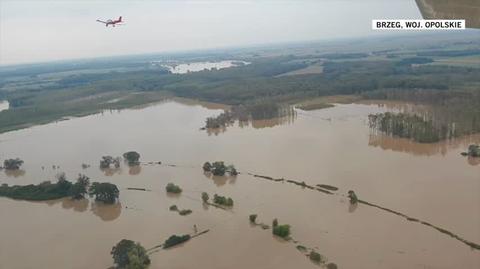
(112,22)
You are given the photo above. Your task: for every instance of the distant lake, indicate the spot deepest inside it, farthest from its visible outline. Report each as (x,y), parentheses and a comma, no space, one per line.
(200,66)
(4,105)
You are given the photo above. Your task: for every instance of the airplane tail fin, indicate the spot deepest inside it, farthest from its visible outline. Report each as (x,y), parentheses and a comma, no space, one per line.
(120,18)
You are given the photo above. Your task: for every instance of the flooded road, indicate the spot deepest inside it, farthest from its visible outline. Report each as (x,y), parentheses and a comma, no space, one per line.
(332,146)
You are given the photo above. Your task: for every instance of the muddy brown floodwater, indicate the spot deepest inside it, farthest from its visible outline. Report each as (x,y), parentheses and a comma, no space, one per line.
(332,146)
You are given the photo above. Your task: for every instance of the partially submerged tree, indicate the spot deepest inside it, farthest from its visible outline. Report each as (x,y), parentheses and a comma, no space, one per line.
(109,161)
(218,168)
(315,256)
(207,167)
(474,150)
(132,157)
(205,197)
(281,230)
(104,192)
(131,255)
(172,188)
(353,197)
(222,200)
(80,188)
(12,164)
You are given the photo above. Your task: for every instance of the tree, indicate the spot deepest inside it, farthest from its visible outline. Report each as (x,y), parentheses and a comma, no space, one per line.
(231,169)
(207,167)
(131,255)
(315,256)
(12,164)
(274,223)
(218,168)
(281,230)
(353,197)
(222,200)
(172,188)
(132,157)
(107,161)
(252,218)
(104,192)
(80,188)
(474,150)
(205,197)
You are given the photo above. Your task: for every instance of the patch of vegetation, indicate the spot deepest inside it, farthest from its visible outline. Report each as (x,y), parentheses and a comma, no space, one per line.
(132,157)
(173,208)
(301,248)
(473,151)
(12,164)
(130,255)
(407,126)
(109,161)
(205,197)
(281,230)
(332,266)
(47,190)
(185,212)
(172,188)
(252,218)
(328,187)
(219,168)
(353,197)
(222,200)
(175,240)
(104,192)
(308,107)
(315,257)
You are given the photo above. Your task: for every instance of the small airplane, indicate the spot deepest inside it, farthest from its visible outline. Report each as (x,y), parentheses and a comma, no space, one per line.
(112,22)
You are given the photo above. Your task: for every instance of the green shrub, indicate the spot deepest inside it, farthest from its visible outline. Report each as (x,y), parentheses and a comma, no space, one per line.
(104,192)
(12,164)
(353,197)
(132,157)
(332,266)
(128,254)
(252,218)
(205,197)
(172,188)
(175,240)
(222,200)
(207,167)
(173,208)
(184,212)
(315,256)
(281,230)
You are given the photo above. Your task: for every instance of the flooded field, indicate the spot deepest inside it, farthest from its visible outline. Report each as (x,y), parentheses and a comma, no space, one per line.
(200,66)
(334,146)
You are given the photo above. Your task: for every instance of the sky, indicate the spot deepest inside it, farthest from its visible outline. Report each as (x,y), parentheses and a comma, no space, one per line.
(39,31)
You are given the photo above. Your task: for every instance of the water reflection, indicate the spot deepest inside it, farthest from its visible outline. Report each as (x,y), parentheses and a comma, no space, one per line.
(134,170)
(473,160)
(352,207)
(111,171)
(386,142)
(220,180)
(106,212)
(14,173)
(80,205)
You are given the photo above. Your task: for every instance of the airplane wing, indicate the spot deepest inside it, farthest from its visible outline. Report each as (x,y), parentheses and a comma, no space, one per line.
(102,21)
(458,9)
